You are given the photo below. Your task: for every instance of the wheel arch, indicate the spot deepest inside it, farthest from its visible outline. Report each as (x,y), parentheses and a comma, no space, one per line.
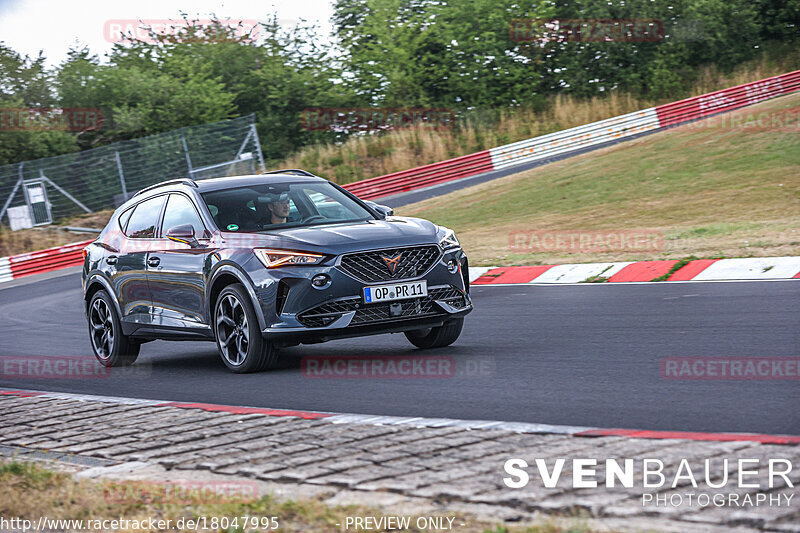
(227,274)
(96,283)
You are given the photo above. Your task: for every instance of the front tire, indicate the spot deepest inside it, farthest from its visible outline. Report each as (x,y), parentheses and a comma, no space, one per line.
(239,339)
(444,335)
(109,345)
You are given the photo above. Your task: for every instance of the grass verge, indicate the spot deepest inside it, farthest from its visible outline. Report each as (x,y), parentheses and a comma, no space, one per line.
(29,491)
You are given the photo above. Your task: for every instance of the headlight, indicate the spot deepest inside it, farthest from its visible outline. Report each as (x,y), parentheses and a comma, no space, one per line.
(274,258)
(447,238)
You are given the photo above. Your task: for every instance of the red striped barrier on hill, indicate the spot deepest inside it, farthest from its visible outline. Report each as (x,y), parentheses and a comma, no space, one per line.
(577,139)
(21,265)
(425,176)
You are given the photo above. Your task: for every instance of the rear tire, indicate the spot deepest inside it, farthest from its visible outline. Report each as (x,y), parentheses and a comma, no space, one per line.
(444,335)
(109,345)
(239,340)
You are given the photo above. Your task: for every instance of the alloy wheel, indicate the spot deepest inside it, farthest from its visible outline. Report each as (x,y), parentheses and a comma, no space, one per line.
(233,333)
(102,324)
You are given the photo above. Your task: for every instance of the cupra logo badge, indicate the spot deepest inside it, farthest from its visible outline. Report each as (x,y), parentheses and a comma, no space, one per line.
(391,263)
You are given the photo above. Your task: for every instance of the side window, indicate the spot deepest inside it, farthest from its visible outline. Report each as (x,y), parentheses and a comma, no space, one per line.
(142,223)
(180,211)
(327,206)
(123,218)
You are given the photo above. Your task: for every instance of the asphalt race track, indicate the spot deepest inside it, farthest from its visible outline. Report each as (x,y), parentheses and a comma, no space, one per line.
(583,355)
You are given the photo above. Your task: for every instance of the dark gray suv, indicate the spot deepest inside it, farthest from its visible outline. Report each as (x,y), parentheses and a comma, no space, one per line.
(256,263)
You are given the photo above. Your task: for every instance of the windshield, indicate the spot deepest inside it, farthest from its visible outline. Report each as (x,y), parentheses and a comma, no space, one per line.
(275,206)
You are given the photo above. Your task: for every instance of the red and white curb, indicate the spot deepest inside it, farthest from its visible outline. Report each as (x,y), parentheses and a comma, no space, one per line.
(743,269)
(41,261)
(420,422)
(751,268)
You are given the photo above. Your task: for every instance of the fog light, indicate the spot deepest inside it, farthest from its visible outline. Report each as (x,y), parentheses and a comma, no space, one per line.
(452,266)
(320,281)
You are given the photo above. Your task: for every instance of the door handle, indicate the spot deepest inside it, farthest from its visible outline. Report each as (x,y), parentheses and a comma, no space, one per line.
(111,260)
(154,261)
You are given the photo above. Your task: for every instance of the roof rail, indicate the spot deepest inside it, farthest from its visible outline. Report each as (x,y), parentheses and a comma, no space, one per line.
(183,181)
(295,171)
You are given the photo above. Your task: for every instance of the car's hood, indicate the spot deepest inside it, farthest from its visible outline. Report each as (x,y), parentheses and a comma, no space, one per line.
(343,238)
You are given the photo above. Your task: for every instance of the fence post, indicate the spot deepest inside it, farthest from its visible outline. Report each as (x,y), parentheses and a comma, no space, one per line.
(13,192)
(121,177)
(258,146)
(186,152)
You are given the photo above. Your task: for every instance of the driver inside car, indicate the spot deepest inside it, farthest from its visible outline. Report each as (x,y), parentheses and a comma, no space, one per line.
(278,206)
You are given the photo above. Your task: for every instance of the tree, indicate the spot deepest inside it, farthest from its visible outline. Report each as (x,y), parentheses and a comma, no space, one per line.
(25,83)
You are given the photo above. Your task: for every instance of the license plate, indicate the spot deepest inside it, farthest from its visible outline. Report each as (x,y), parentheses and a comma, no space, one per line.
(398,291)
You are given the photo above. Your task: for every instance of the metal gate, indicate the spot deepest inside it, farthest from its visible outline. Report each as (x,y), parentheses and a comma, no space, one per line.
(36,198)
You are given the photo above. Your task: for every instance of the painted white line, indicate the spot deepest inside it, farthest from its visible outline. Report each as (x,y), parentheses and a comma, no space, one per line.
(104,399)
(751,268)
(517,427)
(574,273)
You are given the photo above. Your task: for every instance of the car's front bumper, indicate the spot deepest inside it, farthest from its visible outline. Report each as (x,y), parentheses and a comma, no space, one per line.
(310,314)
(290,336)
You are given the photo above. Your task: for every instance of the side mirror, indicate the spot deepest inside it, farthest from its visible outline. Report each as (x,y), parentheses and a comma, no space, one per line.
(183,234)
(383,210)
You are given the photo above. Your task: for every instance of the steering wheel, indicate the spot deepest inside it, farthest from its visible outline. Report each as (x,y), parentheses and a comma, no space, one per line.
(313,217)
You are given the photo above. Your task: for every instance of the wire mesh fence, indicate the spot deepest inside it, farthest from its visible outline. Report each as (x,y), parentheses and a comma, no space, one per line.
(39,191)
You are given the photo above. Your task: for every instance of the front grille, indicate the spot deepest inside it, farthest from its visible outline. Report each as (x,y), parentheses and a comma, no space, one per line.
(370,267)
(324,314)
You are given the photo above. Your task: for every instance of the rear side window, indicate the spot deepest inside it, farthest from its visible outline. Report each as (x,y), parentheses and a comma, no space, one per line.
(123,218)
(142,223)
(180,211)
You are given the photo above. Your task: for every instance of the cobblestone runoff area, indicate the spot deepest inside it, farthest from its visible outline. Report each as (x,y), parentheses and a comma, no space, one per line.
(447,467)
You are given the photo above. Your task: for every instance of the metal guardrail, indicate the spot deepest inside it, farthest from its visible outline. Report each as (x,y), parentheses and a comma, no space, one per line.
(21,265)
